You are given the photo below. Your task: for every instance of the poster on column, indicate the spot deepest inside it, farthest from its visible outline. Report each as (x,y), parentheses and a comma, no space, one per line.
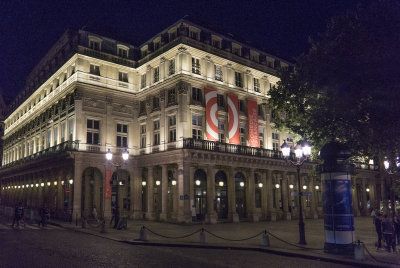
(107,184)
(338,208)
(252,110)
(233,119)
(211,114)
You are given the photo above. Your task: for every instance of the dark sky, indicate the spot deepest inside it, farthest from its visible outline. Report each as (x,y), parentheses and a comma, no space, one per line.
(29,28)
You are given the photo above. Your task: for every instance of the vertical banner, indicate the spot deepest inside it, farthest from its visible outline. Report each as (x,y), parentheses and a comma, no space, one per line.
(107,184)
(233,119)
(252,110)
(211,114)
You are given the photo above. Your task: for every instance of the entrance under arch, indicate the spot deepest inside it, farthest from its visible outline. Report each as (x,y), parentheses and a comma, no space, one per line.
(200,194)
(221,192)
(120,191)
(240,194)
(92,192)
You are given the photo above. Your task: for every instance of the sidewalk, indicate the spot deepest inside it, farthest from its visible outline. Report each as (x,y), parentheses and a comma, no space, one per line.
(221,236)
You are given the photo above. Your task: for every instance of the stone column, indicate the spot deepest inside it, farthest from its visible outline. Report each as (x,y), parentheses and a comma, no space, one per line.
(364,197)
(264,195)
(211,216)
(251,196)
(372,195)
(77,191)
(150,195)
(136,193)
(285,197)
(184,212)
(234,217)
(270,196)
(164,192)
(384,196)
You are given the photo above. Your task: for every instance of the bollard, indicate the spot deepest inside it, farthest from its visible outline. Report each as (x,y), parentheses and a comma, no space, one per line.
(265,239)
(202,236)
(359,251)
(143,234)
(103,227)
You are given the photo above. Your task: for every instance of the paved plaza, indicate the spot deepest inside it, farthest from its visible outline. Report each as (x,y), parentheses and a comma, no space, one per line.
(283,238)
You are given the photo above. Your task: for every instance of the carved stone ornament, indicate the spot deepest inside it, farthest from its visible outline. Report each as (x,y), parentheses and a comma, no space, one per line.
(109,100)
(162,59)
(148,67)
(183,88)
(182,49)
(135,105)
(77,95)
(248,72)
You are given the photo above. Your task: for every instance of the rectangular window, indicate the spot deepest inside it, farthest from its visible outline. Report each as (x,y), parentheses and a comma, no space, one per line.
(236,50)
(195,66)
(156,138)
(221,137)
(123,53)
(55,135)
(241,106)
(143,81)
(216,43)
(93,129)
(172,67)
(156,74)
(156,103)
(142,129)
(172,135)
(171,96)
(221,124)
(197,120)
(122,135)
(142,136)
(48,139)
(123,77)
(70,129)
(63,132)
(275,146)
(275,136)
(94,69)
(142,107)
(197,134)
(238,79)
(94,45)
(194,35)
(156,125)
(218,73)
(196,94)
(220,100)
(172,120)
(256,84)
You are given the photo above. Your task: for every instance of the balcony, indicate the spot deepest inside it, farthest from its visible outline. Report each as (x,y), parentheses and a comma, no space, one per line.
(190,143)
(47,153)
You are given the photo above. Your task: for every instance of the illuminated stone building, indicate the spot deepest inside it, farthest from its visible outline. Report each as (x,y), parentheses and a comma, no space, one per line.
(189,106)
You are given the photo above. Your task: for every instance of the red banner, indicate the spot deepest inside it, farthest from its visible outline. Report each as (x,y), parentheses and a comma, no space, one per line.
(211,114)
(252,110)
(233,118)
(107,184)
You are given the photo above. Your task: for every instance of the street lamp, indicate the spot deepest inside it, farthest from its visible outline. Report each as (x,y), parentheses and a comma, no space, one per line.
(392,167)
(117,165)
(302,151)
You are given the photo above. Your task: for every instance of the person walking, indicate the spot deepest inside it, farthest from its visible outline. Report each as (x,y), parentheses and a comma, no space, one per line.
(18,214)
(114,212)
(388,233)
(378,228)
(396,222)
(94,213)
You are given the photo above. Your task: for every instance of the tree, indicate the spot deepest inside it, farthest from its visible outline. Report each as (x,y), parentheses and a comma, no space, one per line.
(347,87)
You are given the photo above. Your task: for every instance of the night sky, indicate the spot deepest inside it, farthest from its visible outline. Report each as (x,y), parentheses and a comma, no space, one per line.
(28,29)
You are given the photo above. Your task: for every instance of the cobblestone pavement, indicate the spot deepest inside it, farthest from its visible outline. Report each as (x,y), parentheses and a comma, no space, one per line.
(59,247)
(286,237)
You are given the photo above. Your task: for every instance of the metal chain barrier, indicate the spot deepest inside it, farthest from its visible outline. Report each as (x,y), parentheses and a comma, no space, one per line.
(171,237)
(292,244)
(233,240)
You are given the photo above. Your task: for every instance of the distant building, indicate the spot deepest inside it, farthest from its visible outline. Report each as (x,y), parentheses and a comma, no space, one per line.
(189,107)
(3,114)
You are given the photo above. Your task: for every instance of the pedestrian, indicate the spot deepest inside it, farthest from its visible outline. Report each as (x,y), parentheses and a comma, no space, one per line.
(396,222)
(44,216)
(194,215)
(116,218)
(378,228)
(94,213)
(18,214)
(388,233)
(113,210)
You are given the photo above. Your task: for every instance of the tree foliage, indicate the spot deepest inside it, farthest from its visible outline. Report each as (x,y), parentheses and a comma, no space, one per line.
(347,87)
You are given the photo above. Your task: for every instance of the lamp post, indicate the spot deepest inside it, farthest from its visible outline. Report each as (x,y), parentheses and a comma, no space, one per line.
(302,151)
(392,168)
(117,165)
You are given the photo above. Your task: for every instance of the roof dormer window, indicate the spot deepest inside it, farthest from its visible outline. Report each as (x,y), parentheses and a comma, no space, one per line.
(122,51)
(95,43)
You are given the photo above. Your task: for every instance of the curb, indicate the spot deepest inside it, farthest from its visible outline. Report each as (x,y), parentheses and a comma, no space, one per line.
(288,253)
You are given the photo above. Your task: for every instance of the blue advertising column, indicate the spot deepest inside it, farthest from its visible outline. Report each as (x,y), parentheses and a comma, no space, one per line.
(337,199)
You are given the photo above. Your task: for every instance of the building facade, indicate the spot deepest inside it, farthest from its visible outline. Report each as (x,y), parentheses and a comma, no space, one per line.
(189,107)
